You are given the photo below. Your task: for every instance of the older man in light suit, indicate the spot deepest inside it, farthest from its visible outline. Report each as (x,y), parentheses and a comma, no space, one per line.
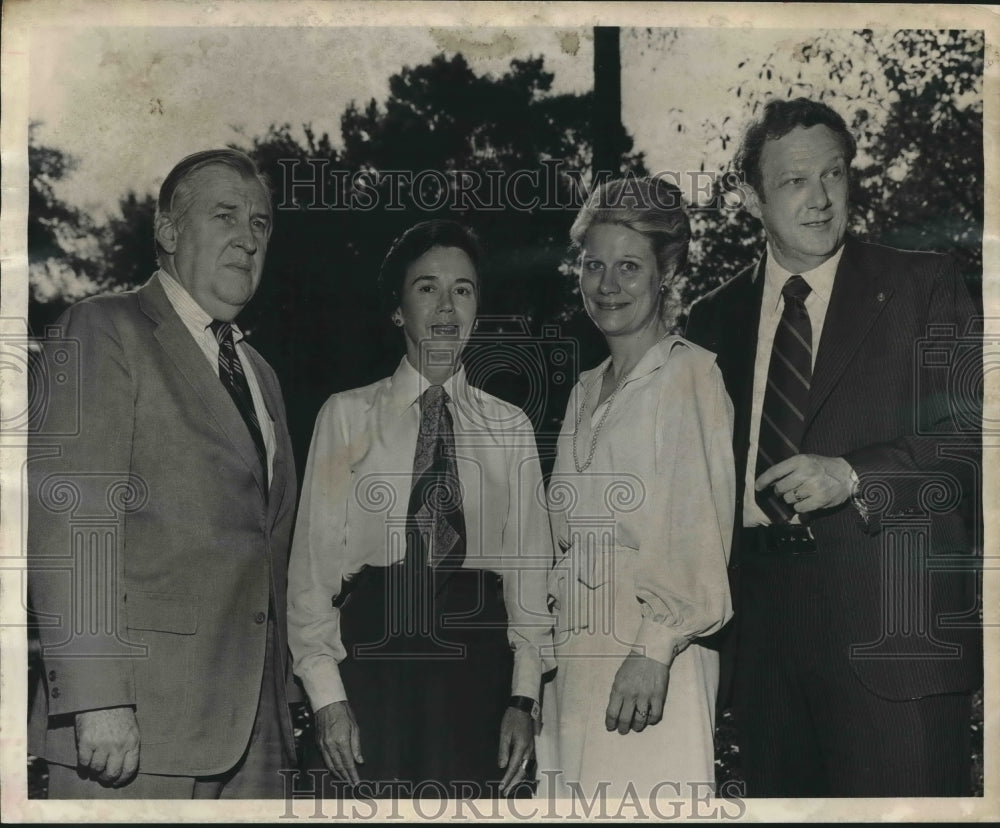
(160,518)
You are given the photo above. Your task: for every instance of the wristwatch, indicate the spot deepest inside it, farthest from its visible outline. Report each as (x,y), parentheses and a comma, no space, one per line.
(527,705)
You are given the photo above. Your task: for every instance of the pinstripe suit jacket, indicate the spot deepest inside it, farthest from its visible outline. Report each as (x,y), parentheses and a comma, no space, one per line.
(896,391)
(154,552)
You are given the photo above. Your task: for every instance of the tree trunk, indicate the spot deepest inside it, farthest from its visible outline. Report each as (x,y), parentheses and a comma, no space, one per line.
(608,137)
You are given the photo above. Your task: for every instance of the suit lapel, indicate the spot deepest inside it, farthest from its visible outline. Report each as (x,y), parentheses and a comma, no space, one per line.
(282,446)
(180,347)
(859,295)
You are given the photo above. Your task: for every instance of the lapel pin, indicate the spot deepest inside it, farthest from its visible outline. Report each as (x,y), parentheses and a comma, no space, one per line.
(880,297)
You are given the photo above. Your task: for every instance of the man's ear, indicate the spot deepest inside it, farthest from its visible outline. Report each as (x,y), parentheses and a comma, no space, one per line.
(750,200)
(165,230)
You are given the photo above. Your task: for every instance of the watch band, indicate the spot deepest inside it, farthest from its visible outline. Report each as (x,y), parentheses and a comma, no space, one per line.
(527,705)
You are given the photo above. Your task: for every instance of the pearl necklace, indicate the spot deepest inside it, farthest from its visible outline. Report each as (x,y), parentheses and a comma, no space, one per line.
(607,410)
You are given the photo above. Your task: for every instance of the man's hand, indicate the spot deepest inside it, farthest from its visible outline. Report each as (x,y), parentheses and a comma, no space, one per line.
(517,746)
(339,740)
(809,481)
(637,694)
(107,744)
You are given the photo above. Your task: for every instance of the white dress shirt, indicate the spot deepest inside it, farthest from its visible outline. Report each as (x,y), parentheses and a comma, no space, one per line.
(355,494)
(197,321)
(820,280)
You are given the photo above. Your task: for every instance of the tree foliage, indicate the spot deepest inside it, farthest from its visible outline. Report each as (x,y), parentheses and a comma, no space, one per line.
(128,254)
(70,255)
(61,239)
(51,223)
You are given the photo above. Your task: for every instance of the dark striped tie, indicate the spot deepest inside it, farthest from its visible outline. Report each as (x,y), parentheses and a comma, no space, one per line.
(232,376)
(437,539)
(789,374)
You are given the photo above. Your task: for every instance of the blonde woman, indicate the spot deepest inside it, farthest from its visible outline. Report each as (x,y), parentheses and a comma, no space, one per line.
(641,502)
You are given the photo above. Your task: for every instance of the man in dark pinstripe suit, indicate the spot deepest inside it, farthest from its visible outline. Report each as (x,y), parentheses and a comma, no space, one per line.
(856,379)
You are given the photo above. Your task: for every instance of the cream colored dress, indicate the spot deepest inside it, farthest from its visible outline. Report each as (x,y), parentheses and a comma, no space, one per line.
(643,538)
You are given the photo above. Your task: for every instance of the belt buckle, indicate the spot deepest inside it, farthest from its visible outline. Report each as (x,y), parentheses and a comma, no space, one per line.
(797,543)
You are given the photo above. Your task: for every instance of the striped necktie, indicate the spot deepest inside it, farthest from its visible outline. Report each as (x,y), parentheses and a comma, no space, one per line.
(232,376)
(789,375)
(435,506)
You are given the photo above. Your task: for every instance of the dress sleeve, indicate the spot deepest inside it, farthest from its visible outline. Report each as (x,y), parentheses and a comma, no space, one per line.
(527,554)
(681,577)
(317,563)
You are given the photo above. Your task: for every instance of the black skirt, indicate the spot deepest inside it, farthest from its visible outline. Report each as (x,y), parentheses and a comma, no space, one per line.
(428,681)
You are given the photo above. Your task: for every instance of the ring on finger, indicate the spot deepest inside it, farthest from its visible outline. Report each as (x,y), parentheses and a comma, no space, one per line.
(641,714)
(524,764)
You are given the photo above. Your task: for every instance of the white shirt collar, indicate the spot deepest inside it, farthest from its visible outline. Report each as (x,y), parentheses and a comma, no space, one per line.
(193,315)
(820,279)
(408,384)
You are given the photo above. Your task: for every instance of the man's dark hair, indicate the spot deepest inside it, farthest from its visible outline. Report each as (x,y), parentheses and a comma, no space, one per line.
(413,244)
(776,121)
(174,197)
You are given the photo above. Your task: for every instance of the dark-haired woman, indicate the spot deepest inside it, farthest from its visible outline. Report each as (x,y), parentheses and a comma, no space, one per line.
(417,604)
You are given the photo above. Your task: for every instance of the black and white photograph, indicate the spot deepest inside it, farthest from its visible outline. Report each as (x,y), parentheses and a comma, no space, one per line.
(527,411)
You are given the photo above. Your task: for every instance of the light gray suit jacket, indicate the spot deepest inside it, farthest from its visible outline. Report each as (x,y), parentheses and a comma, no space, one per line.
(154,549)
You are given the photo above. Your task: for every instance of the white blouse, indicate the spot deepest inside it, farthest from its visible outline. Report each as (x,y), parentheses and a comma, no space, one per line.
(661,485)
(353,512)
